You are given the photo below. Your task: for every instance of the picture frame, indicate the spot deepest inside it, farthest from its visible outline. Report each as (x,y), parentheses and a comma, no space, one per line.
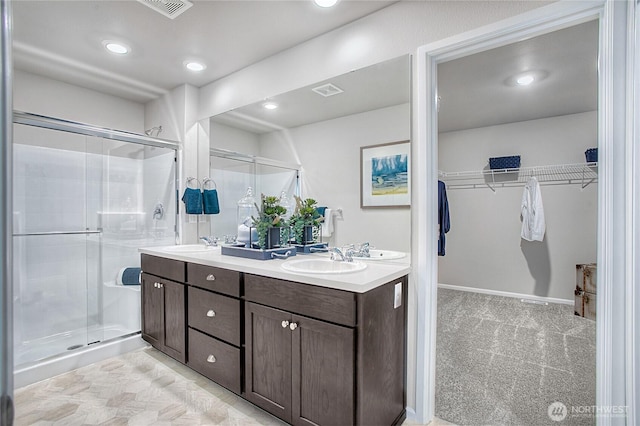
(385,175)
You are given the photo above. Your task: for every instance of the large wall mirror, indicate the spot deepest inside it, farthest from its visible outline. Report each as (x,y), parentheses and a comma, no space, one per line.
(309,145)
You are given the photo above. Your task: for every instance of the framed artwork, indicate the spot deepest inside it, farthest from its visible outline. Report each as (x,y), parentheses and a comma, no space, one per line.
(384,175)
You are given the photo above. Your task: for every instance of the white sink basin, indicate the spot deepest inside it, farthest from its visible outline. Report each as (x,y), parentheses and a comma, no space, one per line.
(322,266)
(190,248)
(383,255)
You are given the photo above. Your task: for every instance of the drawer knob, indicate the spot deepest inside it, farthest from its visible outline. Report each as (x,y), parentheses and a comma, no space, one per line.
(211,277)
(285,324)
(211,359)
(293,326)
(211,313)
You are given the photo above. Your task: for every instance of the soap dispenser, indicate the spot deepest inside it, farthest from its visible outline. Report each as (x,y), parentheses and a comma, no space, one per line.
(246,211)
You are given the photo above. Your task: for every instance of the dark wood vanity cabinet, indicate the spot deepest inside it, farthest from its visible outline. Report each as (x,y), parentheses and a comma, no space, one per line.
(163,315)
(299,369)
(214,321)
(310,355)
(163,305)
(320,356)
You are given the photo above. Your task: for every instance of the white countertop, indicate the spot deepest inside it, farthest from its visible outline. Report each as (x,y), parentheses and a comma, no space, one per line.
(375,274)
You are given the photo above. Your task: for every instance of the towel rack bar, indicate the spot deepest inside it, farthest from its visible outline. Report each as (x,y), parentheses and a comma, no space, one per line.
(32,234)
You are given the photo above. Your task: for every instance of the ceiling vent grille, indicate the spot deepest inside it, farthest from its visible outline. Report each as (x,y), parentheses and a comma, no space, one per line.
(169,8)
(327,90)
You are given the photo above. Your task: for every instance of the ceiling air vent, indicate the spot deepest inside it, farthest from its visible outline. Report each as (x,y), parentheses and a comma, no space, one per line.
(327,90)
(169,8)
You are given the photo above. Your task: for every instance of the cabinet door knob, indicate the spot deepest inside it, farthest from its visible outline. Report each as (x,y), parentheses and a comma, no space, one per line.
(160,285)
(293,326)
(156,285)
(211,313)
(285,324)
(211,359)
(211,277)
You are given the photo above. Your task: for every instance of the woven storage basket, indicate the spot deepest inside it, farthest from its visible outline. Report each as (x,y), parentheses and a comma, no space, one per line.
(512,162)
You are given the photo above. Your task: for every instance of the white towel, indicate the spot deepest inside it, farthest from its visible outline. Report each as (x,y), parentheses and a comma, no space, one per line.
(327,224)
(533,224)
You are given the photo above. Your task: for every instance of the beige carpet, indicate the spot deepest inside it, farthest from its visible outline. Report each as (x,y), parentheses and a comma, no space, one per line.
(500,361)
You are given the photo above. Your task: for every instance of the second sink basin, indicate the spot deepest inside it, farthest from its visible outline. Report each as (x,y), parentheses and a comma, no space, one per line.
(383,255)
(322,266)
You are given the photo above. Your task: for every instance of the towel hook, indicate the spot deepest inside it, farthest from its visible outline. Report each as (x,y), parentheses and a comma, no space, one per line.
(191,179)
(206,181)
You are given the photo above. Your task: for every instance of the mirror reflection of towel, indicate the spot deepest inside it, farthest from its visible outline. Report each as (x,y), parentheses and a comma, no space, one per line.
(210,201)
(192,199)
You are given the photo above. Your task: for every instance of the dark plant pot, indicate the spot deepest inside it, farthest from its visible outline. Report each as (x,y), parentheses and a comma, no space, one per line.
(273,238)
(307,234)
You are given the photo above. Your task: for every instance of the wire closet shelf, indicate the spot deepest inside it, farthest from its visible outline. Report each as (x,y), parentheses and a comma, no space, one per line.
(559,174)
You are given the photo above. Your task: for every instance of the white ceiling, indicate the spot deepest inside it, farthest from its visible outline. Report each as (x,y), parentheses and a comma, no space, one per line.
(63,39)
(378,86)
(473,90)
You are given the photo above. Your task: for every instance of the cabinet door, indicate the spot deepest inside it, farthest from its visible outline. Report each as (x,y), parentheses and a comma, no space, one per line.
(268,359)
(152,311)
(322,373)
(174,319)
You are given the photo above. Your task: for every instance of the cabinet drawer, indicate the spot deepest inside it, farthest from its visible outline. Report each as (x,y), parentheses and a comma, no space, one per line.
(215,279)
(214,359)
(215,314)
(163,267)
(328,304)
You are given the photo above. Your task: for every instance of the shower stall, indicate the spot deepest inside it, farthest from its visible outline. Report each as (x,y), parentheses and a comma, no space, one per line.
(84,200)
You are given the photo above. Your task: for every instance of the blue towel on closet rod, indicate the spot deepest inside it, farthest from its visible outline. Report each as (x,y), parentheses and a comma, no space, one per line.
(210,201)
(192,199)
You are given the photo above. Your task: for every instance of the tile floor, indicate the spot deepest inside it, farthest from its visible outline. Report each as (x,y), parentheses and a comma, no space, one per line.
(144,387)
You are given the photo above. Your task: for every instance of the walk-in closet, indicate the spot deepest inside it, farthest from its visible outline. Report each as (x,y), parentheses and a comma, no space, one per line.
(510,346)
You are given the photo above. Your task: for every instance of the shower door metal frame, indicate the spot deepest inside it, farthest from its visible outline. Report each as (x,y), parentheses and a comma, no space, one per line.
(6,268)
(39,121)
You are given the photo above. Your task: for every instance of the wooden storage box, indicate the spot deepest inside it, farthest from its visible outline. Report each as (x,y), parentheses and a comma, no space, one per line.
(585,293)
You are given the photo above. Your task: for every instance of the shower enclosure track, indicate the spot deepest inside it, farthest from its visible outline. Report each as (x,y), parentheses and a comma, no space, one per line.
(31,234)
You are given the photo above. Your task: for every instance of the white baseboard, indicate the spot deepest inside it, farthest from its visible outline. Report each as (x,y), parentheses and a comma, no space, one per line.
(508,294)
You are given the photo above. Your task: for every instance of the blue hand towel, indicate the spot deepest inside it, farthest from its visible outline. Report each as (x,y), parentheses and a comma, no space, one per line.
(321,210)
(210,200)
(192,199)
(129,276)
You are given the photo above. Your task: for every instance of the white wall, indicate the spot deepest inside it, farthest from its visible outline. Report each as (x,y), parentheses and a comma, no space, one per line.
(484,249)
(44,96)
(233,139)
(329,152)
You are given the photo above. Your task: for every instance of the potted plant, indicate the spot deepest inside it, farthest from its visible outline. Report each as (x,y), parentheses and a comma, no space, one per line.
(305,220)
(269,221)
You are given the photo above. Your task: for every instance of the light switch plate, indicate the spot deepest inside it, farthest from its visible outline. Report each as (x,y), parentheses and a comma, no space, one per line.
(397,297)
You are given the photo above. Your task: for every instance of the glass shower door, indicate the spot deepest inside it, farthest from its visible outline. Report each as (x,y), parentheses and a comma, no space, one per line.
(53,243)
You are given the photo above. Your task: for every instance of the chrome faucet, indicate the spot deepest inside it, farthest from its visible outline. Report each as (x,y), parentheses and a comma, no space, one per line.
(210,241)
(363,251)
(337,254)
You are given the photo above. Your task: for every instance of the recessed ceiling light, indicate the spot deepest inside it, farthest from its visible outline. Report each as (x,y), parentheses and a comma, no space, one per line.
(194,66)
(270,105)
(526,78)
(325,3)
(116,47)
